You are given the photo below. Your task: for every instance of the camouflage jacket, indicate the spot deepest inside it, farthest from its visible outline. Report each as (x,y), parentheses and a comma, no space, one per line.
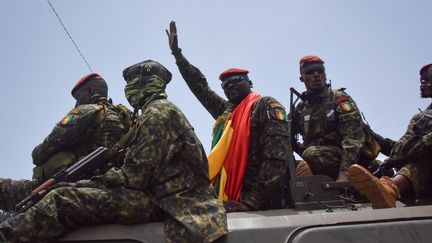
(167,161)
(82,130)
(269,145)
(330,117)
(416,143)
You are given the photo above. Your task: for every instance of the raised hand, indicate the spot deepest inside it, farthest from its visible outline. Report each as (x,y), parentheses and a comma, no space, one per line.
(172,37)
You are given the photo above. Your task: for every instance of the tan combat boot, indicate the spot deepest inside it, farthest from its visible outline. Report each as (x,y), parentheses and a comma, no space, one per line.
(382,193)
(303,169)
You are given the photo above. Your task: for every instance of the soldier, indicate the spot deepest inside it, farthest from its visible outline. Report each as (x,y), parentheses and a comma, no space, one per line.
(164,176)
(412,151)
(330,125)
(94,122)
(250,137)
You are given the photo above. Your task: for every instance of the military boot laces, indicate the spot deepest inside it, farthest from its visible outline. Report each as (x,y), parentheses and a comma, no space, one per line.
(303,169)
(382,193)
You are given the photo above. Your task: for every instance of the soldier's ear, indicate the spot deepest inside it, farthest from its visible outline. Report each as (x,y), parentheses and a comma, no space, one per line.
(250,84)
(301,79)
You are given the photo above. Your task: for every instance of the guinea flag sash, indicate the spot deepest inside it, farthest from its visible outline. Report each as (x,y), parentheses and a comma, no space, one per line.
(229,155)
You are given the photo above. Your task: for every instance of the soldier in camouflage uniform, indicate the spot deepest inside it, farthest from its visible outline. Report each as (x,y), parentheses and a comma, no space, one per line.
(269,144)
(94,122)
(164,176)
(329,123)
(413,151)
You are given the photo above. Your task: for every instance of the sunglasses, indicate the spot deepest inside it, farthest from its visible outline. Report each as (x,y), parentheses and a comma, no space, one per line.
(312,71)
(232,81)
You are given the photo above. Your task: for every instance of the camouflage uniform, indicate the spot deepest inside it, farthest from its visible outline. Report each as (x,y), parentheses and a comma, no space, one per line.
(332,131)
(81,131)
(413,149)
(269,146)
(164,176)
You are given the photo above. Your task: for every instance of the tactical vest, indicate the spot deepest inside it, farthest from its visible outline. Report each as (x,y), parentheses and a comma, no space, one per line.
(423,125)
(318,126)
(317,121)
(106,131)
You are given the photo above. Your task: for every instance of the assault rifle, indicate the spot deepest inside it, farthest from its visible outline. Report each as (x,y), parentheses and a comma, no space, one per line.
(293,102)
(81,169)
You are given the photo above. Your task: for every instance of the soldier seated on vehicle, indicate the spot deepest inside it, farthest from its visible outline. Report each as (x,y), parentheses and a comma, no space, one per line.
(412,152)
(333,133)
(94,122)
(164,176)
(251,145)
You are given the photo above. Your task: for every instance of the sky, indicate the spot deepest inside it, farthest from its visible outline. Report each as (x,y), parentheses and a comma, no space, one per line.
(375,49)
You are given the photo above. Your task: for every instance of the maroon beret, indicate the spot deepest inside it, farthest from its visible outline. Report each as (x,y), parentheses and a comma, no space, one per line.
(84,80)
(232,71)
(425,68)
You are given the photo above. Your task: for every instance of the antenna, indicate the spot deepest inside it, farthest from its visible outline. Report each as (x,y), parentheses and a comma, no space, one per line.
(70,37)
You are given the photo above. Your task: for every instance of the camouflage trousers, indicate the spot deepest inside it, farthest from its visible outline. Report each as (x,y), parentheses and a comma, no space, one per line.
(68,208)
(13,191)
(326,160)
(420,175)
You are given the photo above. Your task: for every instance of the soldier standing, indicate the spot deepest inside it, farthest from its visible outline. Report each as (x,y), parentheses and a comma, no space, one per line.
(413,151)
(251,137)
(330,125)
(164,176)
(94,122)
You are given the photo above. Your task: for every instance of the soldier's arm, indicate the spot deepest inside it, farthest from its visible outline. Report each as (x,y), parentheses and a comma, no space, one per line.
(68,132)
(273,156)
(142,161)
(410,145)
(350,128)
(197,83)
(386,144)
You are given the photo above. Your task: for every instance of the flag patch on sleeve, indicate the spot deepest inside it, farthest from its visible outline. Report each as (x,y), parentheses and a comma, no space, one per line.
(66,120)
(278,111)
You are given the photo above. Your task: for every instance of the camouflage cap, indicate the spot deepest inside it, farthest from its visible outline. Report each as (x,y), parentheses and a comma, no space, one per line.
(85,80)
(148,68)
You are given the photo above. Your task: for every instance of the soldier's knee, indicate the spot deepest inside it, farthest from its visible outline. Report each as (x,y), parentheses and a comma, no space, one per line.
(309,154)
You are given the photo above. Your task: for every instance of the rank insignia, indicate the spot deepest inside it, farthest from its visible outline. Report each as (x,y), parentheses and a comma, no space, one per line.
(66,120)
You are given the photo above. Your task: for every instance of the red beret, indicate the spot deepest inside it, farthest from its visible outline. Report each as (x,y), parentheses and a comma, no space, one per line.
(424,69)
(232,71)
(84,80)
(310,59)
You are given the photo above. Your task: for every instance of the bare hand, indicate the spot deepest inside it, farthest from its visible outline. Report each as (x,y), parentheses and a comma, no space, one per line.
(172,37)
(234,206)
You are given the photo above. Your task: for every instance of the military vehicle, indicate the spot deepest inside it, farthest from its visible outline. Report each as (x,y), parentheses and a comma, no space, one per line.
(317,210)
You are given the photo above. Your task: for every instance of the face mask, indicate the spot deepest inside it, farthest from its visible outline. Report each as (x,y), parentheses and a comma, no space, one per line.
(132,92)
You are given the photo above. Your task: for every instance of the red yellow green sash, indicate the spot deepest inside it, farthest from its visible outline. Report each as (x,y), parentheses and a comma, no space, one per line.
(229,155)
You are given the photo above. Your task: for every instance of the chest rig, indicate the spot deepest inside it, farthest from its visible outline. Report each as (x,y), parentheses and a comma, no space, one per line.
(318,119)
(423,125)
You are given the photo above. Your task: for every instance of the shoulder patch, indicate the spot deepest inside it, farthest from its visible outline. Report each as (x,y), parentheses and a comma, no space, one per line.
(345,106)
(66,120)
(277,111)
